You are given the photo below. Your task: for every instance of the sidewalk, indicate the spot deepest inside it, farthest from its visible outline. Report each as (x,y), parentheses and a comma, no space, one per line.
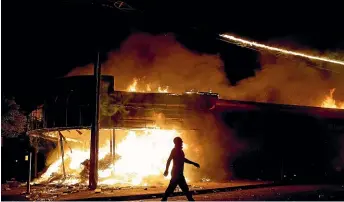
(157,192)
(81,193)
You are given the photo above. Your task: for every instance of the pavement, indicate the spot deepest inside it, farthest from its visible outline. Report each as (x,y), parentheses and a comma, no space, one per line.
(81,193)
(274,193)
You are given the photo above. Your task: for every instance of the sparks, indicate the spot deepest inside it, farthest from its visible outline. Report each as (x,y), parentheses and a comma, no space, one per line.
(259,45)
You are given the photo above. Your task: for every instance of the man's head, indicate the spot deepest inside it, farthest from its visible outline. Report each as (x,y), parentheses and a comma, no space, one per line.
(178,142)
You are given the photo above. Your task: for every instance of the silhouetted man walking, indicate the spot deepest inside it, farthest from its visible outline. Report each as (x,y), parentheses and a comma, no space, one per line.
(178,157)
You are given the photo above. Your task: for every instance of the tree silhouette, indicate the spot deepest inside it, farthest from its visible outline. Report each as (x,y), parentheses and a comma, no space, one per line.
(13,121)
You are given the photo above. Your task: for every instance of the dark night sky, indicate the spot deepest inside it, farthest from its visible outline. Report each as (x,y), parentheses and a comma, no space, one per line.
(44,40)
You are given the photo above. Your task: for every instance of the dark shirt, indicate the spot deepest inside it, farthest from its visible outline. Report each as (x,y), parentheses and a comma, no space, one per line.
(178,158)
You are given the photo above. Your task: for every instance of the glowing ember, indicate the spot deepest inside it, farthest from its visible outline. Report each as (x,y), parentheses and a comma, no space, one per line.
(329,102)
(141,157)
(133,87)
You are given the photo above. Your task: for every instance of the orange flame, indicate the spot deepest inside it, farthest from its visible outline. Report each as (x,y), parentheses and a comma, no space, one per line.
(148,88)
(133,87)
(163,90)
(142,158)
(329,102)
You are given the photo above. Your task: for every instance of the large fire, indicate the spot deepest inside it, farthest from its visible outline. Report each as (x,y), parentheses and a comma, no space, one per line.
(329,102)
(140,158)
(133,87)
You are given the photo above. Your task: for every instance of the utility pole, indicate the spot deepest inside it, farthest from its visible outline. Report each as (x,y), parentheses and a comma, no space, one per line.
(94,147)
(29,159)
(93,177)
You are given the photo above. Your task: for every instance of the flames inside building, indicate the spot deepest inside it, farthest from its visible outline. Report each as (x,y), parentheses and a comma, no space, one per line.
(136,135)
(137,127)
(126,157)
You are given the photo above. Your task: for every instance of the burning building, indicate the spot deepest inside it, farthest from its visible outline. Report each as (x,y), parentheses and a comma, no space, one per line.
(137,129)
(136,132)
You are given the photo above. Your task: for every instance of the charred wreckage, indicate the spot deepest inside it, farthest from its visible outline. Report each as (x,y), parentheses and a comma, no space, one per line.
(65,117)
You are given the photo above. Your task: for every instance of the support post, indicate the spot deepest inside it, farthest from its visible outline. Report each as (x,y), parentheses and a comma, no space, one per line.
(28,186)
(35,150)
(113,144)
(62,156)
(93,177)
(113,154)
(58,149)
(67,103)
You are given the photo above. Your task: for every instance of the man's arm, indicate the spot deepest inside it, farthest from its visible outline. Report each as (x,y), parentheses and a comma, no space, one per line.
(191,162)
(168,163)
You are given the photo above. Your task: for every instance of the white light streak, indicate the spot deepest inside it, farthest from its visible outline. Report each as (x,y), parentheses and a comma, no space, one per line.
(288,52)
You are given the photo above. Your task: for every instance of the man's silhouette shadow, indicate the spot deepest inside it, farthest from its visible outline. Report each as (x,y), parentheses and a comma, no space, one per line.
(178,157)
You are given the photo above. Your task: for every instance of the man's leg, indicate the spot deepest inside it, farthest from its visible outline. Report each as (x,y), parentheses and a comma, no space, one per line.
(170,189)
(182,184)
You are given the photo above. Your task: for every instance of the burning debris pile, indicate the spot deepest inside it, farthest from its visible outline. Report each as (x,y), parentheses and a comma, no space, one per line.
(140,158)
(137,157)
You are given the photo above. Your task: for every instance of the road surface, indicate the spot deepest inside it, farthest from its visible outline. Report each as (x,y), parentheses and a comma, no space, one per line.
(285,193)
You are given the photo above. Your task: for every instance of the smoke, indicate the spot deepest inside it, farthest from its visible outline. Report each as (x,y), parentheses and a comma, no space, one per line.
(210,142)
(214,146)
(285,79)
(160,61)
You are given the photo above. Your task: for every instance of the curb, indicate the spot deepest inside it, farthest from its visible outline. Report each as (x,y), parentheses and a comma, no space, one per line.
(160,195)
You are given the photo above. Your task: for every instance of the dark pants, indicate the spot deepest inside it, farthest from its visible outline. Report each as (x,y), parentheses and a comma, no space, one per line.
(180,180)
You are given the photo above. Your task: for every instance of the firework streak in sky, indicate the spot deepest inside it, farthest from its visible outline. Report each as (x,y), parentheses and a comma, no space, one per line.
(240,41)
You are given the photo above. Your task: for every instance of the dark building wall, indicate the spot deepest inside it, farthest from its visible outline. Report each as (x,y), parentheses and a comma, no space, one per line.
(284,143)
(70,101)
